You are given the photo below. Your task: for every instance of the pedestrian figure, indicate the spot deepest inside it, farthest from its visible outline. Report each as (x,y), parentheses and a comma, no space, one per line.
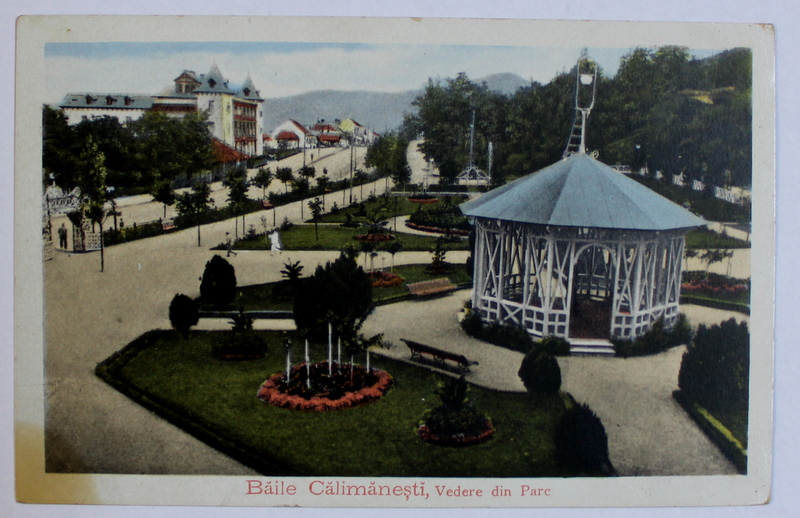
(62,236)
(229,244)
(275,241)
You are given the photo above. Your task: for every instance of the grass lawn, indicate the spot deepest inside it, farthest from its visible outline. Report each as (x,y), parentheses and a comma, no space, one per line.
(303,237)
(263,296)
(702,238)
(735,421)
(394,206)
(216,402)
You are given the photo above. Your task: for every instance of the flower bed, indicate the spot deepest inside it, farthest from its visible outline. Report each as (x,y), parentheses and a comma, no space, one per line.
(714,289)
(459,440)
(437,230)
(423,200)
(346,388)
(381,279)
(374,238)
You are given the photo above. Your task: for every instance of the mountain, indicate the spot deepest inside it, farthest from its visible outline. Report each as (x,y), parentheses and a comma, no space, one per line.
(379,111)
(506,84)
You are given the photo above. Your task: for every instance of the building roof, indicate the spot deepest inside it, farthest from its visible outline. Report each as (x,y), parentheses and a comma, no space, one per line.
(213,83)
(107,100)
(249,91)
(226,154)
(287,135)
(580,191)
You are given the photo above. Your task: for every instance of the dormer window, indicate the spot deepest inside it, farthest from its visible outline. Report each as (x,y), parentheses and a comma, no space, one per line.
(212,83)
(90,99)
(110,100)
(128,101)
(247,92)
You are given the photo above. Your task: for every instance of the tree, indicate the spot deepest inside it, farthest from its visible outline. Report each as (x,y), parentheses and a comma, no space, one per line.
(315,206)
(194,204)
(218,285)
(183,313)
(284,175)
(92,183)
(237,185)
(263,179)
(301,187)
(59,150)
(393,247)
(163,193)
(340,293)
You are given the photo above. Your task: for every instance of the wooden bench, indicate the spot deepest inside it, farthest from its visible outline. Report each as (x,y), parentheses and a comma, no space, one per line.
(168,225)
(437,355)
(432,287)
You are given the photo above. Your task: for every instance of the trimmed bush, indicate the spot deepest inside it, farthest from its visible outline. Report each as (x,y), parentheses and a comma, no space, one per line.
(510,336)
(218,286)
(715,370)
(656,340)
(183,313)
(552,345)
(581,442)
(540,373)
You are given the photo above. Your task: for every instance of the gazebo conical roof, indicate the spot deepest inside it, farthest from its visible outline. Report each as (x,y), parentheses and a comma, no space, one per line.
(580,191)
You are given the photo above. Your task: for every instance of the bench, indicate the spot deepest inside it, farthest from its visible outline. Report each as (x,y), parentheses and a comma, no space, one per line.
(437,355)
(166,226)
(266,204)
(432,287)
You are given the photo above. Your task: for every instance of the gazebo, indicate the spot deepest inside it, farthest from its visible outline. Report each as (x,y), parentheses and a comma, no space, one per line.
(578,250)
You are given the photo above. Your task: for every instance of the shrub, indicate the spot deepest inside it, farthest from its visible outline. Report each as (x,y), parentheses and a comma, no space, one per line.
(218,286)
(656,340)
(455,416)
(581,442)
(540,373)
(183,313)
(553,345)
(510,336)
(715,370)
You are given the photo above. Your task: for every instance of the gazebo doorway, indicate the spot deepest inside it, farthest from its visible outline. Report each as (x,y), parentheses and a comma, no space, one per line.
(592,293)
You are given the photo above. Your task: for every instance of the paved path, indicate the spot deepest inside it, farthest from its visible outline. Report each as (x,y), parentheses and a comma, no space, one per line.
(648,432)
(92,428)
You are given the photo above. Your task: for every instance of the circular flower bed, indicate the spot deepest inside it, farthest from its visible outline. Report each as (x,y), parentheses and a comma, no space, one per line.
(347,387)
(437,230)
(374,238)
(457,440)
(384,279)
(423,200)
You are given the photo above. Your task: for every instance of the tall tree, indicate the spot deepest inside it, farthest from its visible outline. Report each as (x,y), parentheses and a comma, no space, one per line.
(194,204)
(92,183)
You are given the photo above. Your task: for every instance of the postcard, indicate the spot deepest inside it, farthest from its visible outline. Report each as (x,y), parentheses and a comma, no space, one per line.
(355,262)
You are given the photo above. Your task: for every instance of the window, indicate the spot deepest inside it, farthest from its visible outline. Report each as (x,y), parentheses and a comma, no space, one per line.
(247,92)
(212,83)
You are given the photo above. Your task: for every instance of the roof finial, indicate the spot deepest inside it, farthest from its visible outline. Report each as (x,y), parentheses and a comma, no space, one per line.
(585,82)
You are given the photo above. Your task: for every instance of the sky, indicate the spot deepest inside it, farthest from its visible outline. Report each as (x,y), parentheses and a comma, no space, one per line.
(285,69)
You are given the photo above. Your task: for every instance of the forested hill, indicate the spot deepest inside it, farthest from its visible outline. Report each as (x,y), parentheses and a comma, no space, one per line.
(663,109)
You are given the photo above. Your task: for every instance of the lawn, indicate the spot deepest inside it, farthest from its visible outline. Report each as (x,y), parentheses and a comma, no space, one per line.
(303,237)
(265,296)
(216,402)
(386,208)
(703,238)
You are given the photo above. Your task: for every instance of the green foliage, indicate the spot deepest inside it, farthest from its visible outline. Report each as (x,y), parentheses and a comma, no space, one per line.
(453,393)
(656,340)
(388,156)
(552,345)
(183,313)
(446,217)
(292,271)
(285,176)
(581,442)
(715,371)
(663,110)
(263,179)
(339,292)
(218,286)
(540,373)
(510,336)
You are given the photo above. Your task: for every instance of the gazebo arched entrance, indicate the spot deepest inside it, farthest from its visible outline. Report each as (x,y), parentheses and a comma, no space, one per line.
(592,293)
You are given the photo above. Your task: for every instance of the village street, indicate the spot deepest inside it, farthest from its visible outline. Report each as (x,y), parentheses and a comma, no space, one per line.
(91,428)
